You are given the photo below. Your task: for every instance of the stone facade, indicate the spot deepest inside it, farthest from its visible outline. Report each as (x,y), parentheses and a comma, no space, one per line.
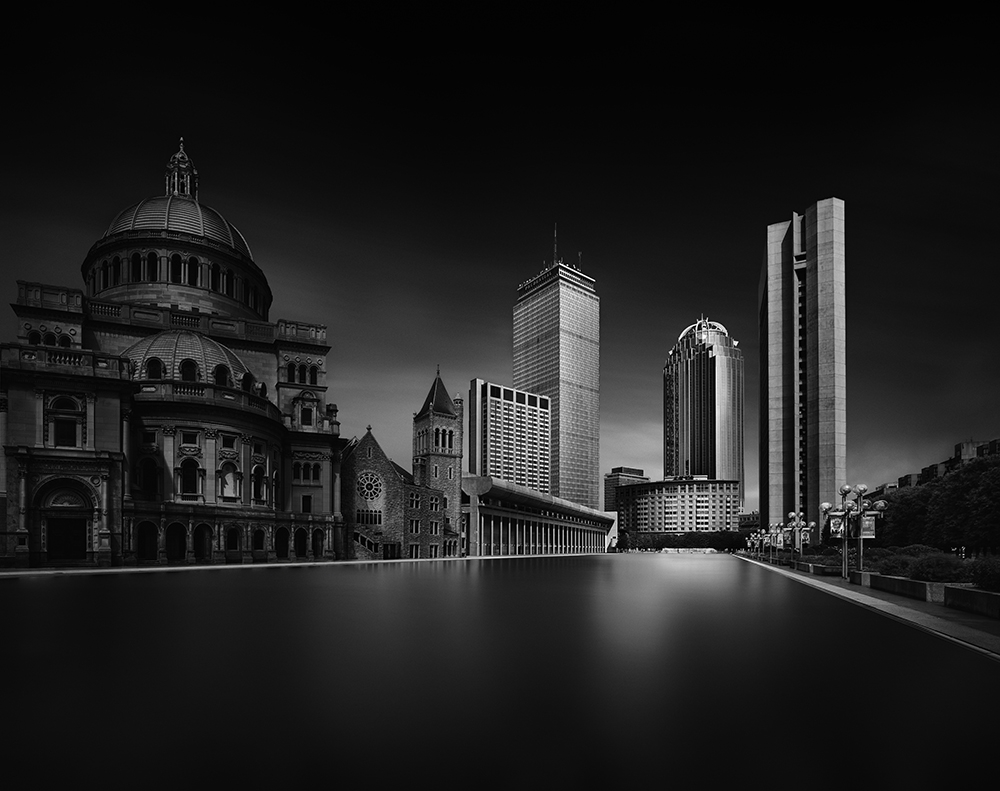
(391,513)
(158,416)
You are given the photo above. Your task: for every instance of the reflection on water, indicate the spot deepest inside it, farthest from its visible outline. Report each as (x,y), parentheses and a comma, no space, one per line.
(540,669)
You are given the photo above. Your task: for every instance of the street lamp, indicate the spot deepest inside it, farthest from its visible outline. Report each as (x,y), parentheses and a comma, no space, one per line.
(840,520)
(798,529)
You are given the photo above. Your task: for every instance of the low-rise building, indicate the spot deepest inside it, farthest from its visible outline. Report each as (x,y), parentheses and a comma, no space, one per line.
(679,504)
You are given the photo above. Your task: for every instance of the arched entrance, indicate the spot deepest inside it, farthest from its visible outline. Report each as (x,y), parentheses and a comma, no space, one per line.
(61,530)
(301,541)
(203,543)
(281,543)
(176,543)
(234,545)
(259,546)
(146,543)
(318,540)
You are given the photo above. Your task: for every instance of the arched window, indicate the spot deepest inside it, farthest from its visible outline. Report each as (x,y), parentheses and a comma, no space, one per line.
(451,437)
(247,382)
(116,271)
(437,438)
(306,472)
(189,371)
(228,480)
(104,275)
(50,339)
(176,268)
(316,472)
(222,378)
(64,341)
(228,284)
(307,416)
(313,375)
(64,414)
(258,482)
(216,278)
(149,478)
(296,471)
(291,372)
(34,339)
(154,369)
(189,476)
(152,267)
(302,374)
(258,540)
(232,539)
(194,269)
(136,273)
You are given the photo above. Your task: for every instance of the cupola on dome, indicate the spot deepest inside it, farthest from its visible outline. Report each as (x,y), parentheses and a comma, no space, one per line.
(179,210)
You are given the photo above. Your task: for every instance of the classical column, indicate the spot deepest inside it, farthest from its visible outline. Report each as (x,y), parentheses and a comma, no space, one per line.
(39,418)
(3,441)
(169,461)
(90,424)
(126,445)
(211,465)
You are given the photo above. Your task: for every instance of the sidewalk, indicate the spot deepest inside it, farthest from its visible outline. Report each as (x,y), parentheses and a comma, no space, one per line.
(977,632)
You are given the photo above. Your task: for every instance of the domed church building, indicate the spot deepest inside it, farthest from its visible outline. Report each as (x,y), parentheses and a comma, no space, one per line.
(157,415)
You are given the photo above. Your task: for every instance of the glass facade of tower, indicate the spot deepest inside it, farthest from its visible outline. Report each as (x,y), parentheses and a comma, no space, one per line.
(703,404)
(557,355)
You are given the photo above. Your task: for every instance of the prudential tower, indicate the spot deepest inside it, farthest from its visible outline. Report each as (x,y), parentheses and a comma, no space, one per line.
(557,354)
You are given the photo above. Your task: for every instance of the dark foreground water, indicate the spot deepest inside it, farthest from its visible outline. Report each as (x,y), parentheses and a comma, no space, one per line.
(538,672)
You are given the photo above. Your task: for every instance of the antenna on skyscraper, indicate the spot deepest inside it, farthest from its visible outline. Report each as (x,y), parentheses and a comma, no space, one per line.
(555,243)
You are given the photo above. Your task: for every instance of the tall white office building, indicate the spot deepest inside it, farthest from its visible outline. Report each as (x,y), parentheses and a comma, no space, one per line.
(510,435)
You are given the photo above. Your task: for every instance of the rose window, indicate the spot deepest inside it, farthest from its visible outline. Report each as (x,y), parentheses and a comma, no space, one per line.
(369,486)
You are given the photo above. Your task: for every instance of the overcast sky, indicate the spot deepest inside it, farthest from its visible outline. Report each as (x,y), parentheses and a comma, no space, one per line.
(403,214)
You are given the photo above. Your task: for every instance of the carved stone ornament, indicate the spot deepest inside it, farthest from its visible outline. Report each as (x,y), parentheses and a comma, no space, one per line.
(258,458)
(168,431)
(189,450)
(228,453)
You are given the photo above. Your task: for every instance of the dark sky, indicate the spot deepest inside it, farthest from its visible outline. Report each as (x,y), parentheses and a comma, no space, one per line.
(402,211)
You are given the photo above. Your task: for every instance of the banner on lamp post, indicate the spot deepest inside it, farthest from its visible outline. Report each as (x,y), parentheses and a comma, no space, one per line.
(836,527)
(868,526)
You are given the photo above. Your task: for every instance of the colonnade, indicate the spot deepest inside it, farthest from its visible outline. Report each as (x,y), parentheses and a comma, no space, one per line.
(498,534)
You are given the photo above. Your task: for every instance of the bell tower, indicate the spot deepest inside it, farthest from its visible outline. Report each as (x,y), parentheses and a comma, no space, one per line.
(437,448)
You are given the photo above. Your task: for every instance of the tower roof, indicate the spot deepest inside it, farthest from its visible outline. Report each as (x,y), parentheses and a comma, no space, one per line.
(438,400)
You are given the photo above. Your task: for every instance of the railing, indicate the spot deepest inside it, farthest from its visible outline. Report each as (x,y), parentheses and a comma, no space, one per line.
(25,357)
(165,389)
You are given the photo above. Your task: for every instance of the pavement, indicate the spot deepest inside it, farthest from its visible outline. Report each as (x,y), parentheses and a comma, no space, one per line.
(977,632)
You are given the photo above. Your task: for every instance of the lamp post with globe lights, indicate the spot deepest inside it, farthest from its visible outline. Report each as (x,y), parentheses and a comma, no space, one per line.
(798,529)
(840,519)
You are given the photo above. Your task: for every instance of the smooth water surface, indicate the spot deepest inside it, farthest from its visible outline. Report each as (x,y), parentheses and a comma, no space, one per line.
(548,672)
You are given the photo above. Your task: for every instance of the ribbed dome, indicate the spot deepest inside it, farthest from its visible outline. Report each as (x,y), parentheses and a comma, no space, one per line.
(179,213)
(172,347)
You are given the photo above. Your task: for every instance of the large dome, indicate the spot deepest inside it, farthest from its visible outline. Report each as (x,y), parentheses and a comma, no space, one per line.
(179,213)
(173,347)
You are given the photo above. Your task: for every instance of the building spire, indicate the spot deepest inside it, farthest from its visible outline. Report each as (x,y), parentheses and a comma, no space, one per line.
(555,243)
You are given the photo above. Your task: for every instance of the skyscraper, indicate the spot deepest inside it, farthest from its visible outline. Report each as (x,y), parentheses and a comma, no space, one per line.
(510,435)
(703,404)
(557,355)
(803,372)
